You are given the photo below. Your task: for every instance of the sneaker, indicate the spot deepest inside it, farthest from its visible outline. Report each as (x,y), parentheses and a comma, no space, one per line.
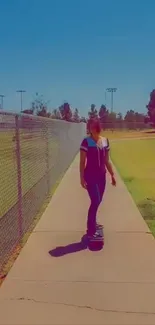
(97,234)
(98,226)
(95,237)
(91,235)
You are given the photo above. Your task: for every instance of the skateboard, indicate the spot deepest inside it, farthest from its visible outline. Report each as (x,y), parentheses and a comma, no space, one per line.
(98,242)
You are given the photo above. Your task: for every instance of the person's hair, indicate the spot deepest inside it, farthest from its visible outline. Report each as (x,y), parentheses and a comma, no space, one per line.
(95,124)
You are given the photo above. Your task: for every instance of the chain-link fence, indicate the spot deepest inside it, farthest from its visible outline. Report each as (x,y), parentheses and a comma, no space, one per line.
(34,152)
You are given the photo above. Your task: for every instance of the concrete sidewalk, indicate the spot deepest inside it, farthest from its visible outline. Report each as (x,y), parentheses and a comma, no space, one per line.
(112,286)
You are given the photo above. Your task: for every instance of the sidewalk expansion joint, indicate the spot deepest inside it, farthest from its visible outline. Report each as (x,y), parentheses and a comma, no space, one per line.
(86,307)
(79,231)
(133,232)
(84,281)
(54,231)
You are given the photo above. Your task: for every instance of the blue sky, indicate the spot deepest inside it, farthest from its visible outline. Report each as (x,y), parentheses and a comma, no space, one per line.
(73,49)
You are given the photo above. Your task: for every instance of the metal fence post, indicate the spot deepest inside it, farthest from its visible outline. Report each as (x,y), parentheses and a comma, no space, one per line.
(47,157)
(19,175)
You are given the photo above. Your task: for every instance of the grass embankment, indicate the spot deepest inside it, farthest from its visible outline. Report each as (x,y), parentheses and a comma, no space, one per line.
(127,134)
(135,161)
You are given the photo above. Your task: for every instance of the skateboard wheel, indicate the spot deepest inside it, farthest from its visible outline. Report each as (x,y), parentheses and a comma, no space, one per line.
(95,245)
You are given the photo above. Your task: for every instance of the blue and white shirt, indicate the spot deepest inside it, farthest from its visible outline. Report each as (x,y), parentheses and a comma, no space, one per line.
(95,166)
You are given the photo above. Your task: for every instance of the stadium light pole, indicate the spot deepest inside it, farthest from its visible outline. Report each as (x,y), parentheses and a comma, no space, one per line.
(112,91)
(105,93)
(21,98)
(2,96)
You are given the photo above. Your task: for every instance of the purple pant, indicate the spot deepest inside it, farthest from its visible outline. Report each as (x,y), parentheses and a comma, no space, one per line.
(95,191)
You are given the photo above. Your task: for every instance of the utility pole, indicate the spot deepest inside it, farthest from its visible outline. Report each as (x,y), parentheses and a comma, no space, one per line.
(2,96)
(112,90)
(105,98)
(21,98)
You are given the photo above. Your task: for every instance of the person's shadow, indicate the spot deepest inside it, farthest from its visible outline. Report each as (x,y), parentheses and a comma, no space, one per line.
(69,249)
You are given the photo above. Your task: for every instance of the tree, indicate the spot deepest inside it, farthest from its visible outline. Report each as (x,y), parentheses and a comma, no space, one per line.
(39,106)
(112,120)
(43,112)
(66,112)
(139,117)
(146,119)
(56,114)
(93,111)
(134,120)
(83,119)
(103,114)
(130,119)
(119,117)
(76,117)
(151,108)
(140,120)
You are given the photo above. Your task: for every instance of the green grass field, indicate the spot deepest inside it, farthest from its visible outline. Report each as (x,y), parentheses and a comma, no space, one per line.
(135,161)
(33,165)
(127,134)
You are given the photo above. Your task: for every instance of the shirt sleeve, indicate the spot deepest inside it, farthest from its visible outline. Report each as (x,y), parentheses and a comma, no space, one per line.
(84,145)
(107,147)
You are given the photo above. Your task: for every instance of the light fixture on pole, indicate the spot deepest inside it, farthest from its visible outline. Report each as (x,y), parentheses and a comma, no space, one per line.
(112,90)
(21,98)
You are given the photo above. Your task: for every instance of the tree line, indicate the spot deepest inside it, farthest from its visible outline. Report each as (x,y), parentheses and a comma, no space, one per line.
(131,120)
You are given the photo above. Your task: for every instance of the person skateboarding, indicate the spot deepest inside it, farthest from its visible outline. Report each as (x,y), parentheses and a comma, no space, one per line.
(94,160)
